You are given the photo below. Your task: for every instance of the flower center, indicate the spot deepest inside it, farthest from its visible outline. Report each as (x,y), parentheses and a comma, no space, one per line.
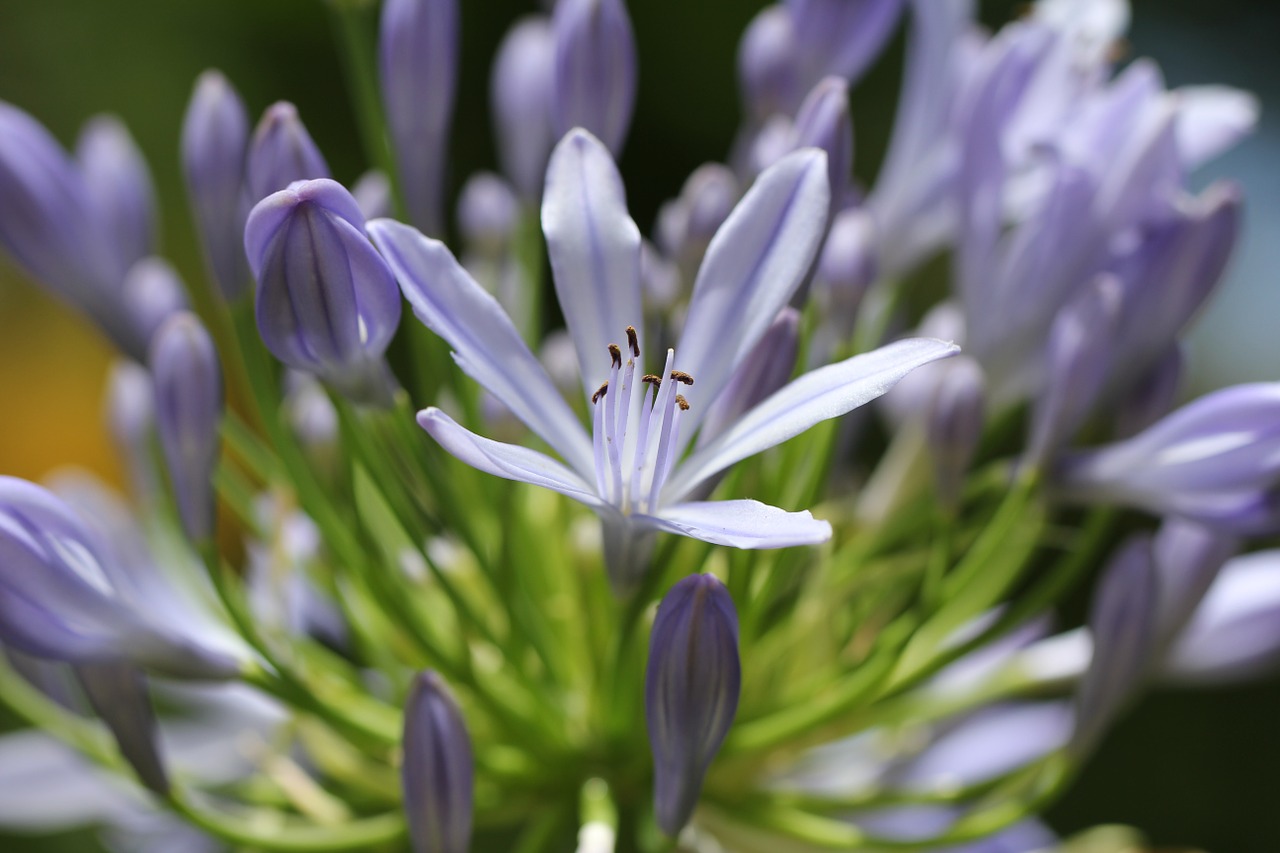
(635,439)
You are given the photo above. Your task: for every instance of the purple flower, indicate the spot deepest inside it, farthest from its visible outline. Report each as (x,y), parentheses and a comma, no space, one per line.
(437,769)
(840,37)
(629,469)
(215,143)
(67,594)
(954,427)
(153,292)
(418,52)
(767,67)
(119,695)
(188,387)
(1215,461)
(282,152)
(691,691)
(824,122)
(119,189)
(521,92)
(595,70)
(326,303)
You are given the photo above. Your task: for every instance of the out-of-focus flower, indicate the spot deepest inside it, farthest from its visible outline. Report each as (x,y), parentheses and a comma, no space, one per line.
(437,769)
(520,96)
(595,69)
(281,152)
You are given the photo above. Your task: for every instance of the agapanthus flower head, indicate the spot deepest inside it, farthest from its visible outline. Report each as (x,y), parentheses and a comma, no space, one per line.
(692,685)
(630,470)
(437,770)
(326,303)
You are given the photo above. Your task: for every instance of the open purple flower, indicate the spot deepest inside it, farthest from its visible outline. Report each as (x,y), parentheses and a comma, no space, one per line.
(630,468)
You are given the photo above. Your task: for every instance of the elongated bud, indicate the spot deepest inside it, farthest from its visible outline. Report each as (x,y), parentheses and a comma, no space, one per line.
(687,224)
(131,417)
(119,188)
(62,594)
(488,212)
(282,152)
(215,143)
(954,426)
(418,55)
(824,122)
(692,686)
(521,92)
(847,265)
(152,293)
(327,303)
(437,770)
(1077,358)
(1123,623)
(595,72)
(1188,557)
(841,37)
(188,387)
(765,369)
(768,72)
(119,695)
(1152,397)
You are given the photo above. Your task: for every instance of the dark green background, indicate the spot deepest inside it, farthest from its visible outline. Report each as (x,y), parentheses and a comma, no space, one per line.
(1194,769)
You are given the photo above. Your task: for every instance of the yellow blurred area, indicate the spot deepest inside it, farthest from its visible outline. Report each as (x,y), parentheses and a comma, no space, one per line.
(53,364)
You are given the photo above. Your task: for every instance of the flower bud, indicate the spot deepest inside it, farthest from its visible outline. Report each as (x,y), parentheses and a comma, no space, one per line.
(282,152)
(131,417)
(118,693)
(765,369)
(691,692)
(954,426)
(1188,557)
(437,770)
(188,387)
(215,142)
(521,91)
(488,213)
(64,596)
(847,265)
(595,70)
(418,49)
(119,188)
(1123,622)
(687,224)
(327,303)
(767,64)
(152,293)
(373,195)
(839,37)
(824,122)
(1152,397)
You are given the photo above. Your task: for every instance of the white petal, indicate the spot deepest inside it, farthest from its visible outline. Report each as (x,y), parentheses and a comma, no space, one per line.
(485,342)
(827,392)
(740,524)
(752,268)
(1212,119)
(594,248)
(510,461)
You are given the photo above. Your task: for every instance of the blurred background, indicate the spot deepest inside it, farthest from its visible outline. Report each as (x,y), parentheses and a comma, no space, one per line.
(1196,770)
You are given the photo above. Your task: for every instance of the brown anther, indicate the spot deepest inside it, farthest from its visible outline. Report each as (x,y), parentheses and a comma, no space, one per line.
(681,376)
(682,403)
(600,392)
(653,379)
(616,354)
(633,340)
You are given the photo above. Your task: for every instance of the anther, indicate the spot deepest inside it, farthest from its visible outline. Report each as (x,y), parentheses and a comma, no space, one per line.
(682,403)
(600,392)
(633,341)
(653,379)
(681,376)
(616,354)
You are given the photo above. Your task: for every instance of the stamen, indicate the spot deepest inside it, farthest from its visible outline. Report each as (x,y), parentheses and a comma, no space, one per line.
(616,354)
(600,392)
(682,377)
(633,341)
(653,379)
(682,403)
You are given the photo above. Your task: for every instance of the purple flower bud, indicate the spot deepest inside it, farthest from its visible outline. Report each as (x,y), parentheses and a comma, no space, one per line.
(327,303)
(841,37)
(418,50)
(373,195)
(1152,396)
(120,194)
(282,152)
(1077,359)
(691,692)
(595,71)
(1188,557)
(767,63)
(521,92)
(824,122)
(437,770)
(764,370)
(687,224)
(954,426)
(488,212)
(152,293)
(847,265)
(63,595)
(311,413)
(215,143)
(188,387)
(1216,460)
(131,417)
(1123,622)
(118,693)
